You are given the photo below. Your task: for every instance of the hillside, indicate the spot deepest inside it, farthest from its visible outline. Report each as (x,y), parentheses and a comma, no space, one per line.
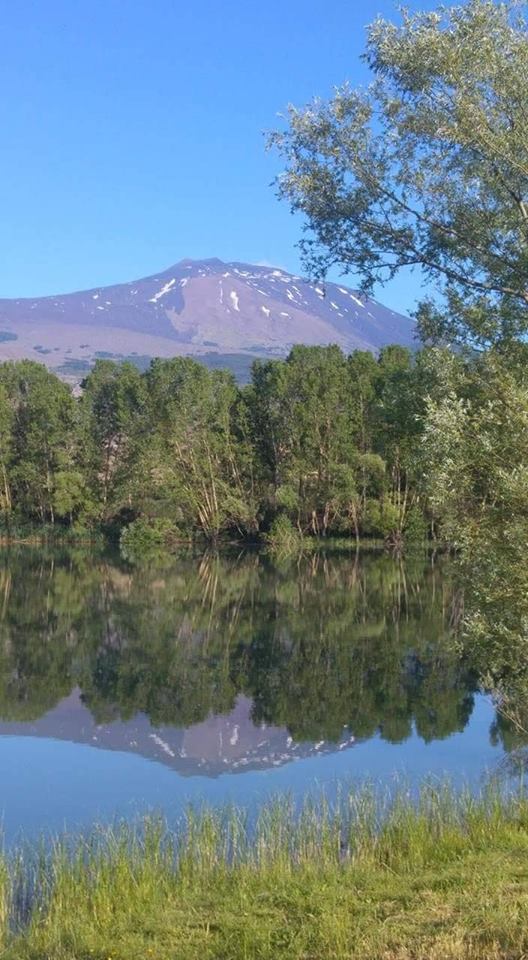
(223,313)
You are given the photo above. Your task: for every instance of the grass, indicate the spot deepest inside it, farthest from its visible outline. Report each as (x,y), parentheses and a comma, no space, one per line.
(444,878)
(49,534)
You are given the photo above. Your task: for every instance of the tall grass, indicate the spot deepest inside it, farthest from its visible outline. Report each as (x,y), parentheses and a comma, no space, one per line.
(442,876)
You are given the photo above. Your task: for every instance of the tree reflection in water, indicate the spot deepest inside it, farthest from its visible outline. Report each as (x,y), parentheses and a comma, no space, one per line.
(316,645)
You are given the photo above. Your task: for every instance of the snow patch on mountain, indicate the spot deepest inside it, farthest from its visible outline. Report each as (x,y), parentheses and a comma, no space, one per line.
(163,291)
(188,310)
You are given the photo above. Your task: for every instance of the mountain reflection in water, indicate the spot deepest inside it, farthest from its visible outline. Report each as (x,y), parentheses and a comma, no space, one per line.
(221,743)
(226,663)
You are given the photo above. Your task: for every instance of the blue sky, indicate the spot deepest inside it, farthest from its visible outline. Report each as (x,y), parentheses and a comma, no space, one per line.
(132,131)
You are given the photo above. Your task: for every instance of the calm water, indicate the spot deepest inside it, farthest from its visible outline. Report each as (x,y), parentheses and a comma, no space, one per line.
(225,678)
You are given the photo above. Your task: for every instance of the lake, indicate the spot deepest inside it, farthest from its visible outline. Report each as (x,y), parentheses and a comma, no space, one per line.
(217,678)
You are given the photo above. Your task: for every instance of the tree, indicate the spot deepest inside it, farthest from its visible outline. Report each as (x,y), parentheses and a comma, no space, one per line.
(476,442)
(38,437)
(427,168)
(6,426)
(303,430)
(197,459)
(112,411)
(363,371)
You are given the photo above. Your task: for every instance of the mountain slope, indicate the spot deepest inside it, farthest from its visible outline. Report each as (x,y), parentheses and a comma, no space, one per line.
(199,308)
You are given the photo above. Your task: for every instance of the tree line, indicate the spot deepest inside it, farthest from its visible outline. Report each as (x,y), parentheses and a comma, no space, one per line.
(321,443)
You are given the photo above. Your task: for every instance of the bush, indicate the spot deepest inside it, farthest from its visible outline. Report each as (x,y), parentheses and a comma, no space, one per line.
(145,538)
(415,529)
(382,517)
(283,538)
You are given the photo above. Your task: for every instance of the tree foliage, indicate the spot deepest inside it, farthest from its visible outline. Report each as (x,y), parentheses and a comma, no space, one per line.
(478,443)
(427,168)
(324,443)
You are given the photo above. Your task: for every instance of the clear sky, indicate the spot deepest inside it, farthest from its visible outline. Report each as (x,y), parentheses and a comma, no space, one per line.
(131,131)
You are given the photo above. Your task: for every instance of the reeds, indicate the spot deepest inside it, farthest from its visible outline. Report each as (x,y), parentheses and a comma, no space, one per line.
(370,875)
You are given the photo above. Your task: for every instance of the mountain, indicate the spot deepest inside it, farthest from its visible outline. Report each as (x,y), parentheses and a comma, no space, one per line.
(222,313)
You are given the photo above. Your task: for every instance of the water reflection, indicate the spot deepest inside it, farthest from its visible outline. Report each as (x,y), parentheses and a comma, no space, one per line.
(229,662)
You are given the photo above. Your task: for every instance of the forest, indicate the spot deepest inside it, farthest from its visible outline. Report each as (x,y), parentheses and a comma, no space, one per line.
(318,445)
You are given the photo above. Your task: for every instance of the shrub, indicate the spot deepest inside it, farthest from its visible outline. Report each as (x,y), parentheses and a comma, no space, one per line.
(382,517)
(145,538)
(283,538)
(415,529)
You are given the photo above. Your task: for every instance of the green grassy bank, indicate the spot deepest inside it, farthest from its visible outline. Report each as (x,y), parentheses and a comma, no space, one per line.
(447,878)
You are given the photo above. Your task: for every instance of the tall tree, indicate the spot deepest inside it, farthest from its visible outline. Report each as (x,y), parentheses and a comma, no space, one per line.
(200,458)
(303,428)
(112,412)
(39,412)
(476,443)
(6,453)
(426,168)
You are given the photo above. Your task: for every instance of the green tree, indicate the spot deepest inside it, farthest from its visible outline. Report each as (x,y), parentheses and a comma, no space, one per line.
(113,428)
(6,453)
(38,437)
(426,168)
(198,461)
(476,442)
(303,425)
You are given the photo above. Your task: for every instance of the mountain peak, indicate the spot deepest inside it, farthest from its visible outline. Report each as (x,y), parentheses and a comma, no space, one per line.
(205,308)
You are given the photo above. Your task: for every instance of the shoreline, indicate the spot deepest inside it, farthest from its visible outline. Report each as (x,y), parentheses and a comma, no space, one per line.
(444,877)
